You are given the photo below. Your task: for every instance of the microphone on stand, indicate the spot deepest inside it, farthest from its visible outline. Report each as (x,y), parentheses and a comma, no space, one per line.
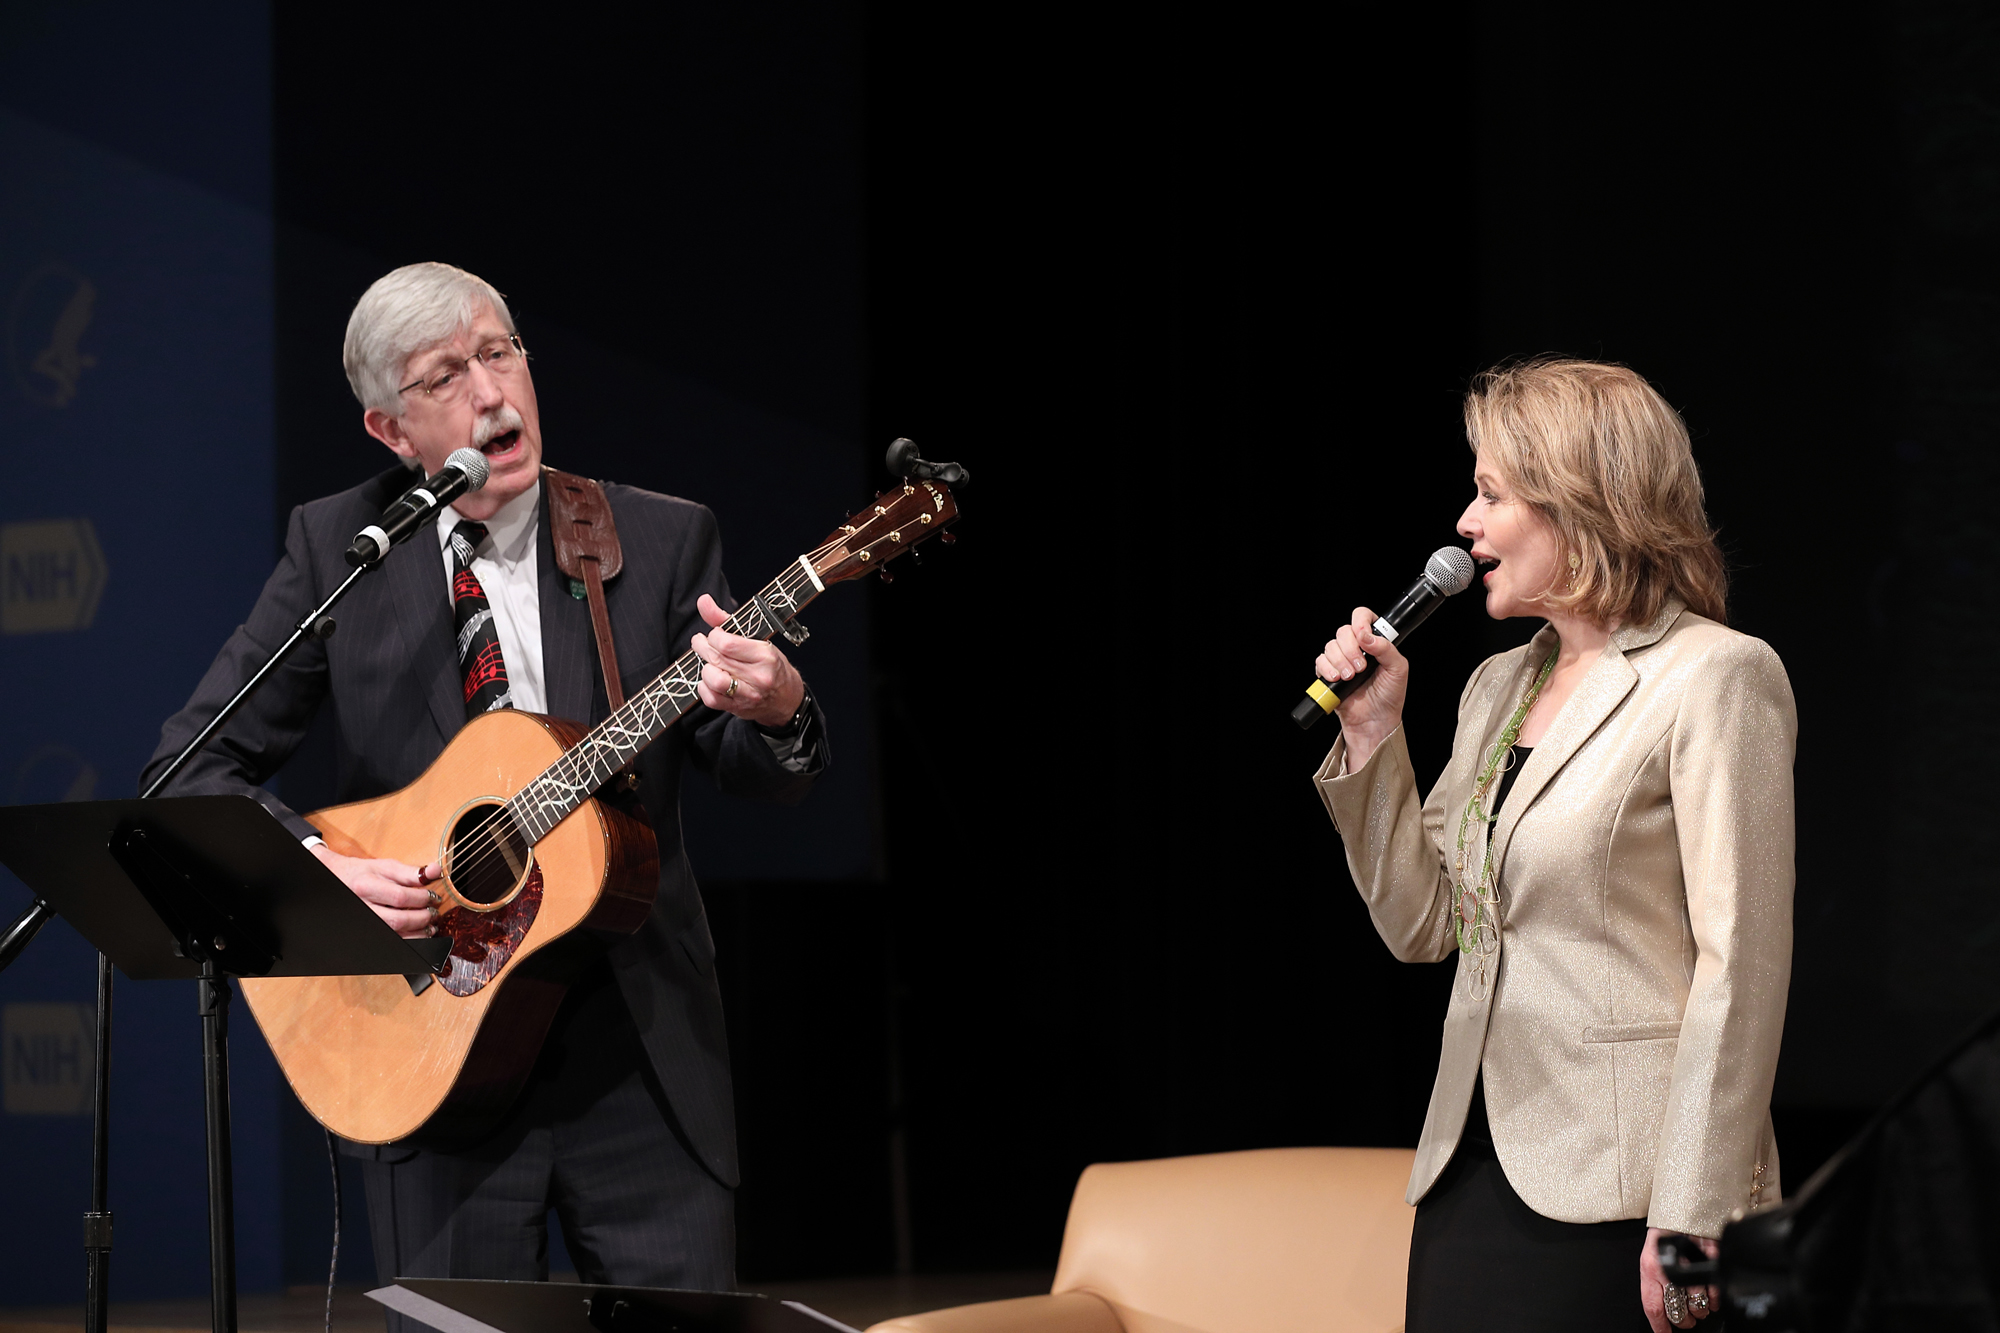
(903,461)
(1448,571)
(464,472)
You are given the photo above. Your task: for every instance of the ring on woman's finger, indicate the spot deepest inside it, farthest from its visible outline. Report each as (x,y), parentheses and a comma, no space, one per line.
(1698,1299)
(1674,1301)
(730,693)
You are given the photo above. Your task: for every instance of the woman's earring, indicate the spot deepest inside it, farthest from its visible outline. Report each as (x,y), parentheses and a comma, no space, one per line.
(1574,565)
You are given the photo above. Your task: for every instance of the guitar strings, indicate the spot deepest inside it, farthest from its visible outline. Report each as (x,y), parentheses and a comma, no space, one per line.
(487,835)
(592,749)
(492,838)
(485,840)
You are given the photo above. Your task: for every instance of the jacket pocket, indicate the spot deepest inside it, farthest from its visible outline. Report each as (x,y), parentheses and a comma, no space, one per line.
(1608,1032)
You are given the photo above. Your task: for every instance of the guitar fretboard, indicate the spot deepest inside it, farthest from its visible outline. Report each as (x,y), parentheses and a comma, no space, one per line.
(589,764)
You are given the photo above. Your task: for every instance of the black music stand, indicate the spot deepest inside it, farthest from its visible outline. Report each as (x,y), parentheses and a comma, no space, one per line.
(462,1305)
(203,888)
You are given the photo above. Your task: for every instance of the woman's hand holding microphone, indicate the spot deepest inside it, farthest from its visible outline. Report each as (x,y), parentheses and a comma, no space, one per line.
(1370,714)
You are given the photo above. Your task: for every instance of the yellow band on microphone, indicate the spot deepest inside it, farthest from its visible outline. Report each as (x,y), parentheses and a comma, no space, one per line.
(1322,695)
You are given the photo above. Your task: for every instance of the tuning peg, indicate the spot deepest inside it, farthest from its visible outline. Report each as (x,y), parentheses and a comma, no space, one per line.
(948,537)
(916,555)
(887,577)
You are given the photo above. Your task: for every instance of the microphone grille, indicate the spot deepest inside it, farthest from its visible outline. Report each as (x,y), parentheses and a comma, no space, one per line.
(473,464)
(1450,570)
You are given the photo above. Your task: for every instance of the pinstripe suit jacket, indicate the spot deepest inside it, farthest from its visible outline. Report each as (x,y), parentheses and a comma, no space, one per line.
(391,677)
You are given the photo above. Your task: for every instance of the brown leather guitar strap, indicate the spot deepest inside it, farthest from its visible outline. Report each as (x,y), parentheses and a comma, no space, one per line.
(586,543)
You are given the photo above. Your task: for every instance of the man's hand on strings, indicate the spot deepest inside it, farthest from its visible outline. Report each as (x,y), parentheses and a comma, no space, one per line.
(398,893)
(744,676)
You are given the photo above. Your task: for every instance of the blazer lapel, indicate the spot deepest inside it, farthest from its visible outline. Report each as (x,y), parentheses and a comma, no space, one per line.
(568,662)
(415,572)
(1609,680)
(1602,690)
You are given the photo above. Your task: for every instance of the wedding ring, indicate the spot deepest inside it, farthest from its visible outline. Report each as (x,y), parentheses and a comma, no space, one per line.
(730,693)
(1675,1302)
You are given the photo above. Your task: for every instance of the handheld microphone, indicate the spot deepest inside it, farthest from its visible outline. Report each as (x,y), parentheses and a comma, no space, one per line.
(1448,571)
(465,471)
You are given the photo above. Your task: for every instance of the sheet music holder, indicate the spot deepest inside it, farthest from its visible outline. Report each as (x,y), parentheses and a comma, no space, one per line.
(203,888)
(464,1305)
(216,865)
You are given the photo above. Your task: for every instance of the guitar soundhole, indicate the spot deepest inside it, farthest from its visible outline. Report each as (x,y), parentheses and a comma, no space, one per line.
(487,860)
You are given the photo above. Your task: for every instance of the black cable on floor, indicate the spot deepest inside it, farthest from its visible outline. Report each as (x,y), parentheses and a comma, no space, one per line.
(333,1267)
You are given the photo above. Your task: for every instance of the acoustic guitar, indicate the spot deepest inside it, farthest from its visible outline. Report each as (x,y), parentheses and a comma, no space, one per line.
(539,878)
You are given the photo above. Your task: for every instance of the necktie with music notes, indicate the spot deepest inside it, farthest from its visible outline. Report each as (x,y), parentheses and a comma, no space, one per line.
(479,660)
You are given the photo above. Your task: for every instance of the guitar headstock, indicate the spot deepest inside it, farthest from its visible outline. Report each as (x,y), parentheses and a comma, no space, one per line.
(899,520)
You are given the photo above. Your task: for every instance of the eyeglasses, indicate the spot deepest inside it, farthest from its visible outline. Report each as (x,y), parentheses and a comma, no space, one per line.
(448,383)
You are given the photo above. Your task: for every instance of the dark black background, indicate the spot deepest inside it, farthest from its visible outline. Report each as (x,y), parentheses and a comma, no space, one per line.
(1194,292)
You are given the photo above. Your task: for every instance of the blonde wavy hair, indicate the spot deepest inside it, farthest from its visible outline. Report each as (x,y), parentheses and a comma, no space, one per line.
(1605,461)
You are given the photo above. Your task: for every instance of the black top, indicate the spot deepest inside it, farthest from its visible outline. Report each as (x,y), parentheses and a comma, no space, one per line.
(1520,753)
(1476,1128)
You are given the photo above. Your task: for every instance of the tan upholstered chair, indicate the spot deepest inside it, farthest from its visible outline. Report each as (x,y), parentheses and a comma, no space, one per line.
(1284,1240)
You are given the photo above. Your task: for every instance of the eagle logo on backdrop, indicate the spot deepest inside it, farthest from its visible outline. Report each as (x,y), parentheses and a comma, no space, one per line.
(46,322)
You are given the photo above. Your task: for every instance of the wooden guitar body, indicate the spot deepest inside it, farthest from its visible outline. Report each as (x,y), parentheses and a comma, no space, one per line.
(376,1059)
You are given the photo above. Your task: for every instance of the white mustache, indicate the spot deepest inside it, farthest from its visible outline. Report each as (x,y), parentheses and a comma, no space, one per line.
(494,424)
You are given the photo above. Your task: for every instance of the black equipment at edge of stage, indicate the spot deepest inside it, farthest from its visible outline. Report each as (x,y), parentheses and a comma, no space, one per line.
(1895,1231)
(469,1305)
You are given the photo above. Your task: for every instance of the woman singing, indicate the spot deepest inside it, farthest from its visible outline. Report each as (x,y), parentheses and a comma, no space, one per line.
(1608,852)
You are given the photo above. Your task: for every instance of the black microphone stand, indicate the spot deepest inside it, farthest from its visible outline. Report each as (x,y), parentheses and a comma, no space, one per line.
(213,1007)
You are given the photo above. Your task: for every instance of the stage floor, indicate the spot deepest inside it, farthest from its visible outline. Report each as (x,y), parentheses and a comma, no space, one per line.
(859,1301)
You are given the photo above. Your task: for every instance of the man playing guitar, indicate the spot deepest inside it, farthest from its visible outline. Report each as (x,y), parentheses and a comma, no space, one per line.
(626,1127)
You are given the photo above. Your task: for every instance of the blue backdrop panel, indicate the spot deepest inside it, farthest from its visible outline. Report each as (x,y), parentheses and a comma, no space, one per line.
(135,494)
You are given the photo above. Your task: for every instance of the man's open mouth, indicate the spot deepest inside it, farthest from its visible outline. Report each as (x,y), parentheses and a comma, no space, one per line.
(500,444)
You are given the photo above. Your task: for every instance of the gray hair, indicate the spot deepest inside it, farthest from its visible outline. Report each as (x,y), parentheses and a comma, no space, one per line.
(414,307)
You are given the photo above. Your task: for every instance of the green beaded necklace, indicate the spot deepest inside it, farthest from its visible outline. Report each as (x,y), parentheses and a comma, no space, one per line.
(1476,920)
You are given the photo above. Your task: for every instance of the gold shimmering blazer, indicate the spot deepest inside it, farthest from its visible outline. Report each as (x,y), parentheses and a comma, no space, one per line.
(1644,870)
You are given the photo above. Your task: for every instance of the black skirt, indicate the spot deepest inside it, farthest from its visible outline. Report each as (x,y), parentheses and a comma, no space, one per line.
(1482,1259)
